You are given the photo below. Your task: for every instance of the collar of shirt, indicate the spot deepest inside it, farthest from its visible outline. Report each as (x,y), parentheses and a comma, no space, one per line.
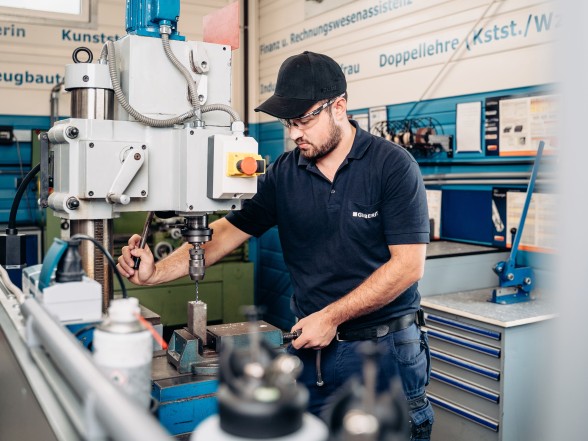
(361,142)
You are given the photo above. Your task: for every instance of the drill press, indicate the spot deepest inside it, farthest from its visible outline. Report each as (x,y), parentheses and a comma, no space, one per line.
(196,233)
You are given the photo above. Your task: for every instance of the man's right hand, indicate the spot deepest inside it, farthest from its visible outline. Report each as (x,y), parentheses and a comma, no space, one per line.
(126,262)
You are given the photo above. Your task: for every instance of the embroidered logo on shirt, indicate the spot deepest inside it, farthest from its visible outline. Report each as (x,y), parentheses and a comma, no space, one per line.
(364,215)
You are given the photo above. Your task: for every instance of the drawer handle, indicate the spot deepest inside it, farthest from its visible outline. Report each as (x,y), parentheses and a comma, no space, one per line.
(468,387)
(459,362)
(493,352)
(459,325)
(474,417)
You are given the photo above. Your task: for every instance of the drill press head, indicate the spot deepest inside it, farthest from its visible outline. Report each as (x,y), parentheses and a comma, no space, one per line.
(196,232)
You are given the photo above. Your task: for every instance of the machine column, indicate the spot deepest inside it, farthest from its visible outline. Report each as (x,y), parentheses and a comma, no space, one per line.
(92,97)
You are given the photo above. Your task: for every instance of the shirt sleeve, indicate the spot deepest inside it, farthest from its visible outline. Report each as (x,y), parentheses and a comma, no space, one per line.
(404,206)
(258,214)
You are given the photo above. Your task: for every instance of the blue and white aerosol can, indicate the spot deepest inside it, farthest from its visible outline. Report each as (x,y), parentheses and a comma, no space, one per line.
(123,350)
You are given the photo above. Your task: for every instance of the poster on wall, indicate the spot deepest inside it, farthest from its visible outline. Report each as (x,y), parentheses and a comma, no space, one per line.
(516,125)
(540,224)
(524,122)
(468,131)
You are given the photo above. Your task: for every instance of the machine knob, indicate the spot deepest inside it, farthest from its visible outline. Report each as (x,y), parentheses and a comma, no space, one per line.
(247,165)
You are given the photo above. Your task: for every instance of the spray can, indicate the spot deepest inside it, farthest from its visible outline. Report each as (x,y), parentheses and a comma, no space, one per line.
(123,350)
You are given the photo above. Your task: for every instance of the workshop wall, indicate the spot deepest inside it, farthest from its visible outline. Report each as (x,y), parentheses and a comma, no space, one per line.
(419,60)
(393,51)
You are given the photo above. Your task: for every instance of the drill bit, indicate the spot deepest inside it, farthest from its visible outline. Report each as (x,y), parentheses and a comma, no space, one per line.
(196,282)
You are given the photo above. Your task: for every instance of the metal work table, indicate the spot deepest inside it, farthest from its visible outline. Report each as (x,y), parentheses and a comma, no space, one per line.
(445,248)
(475,305)
(488,364)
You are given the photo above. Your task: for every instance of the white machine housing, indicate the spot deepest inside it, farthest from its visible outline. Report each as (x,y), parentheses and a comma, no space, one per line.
(71,302)
(155,88)
(113,166)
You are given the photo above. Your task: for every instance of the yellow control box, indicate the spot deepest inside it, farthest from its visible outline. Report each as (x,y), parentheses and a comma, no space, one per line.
(245,164)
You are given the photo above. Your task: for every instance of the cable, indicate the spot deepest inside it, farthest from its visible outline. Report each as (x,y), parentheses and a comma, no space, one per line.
(12,288)
(15,203)
(22,175)
(108,257)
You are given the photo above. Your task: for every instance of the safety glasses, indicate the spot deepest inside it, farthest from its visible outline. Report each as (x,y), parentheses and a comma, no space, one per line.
(304,121)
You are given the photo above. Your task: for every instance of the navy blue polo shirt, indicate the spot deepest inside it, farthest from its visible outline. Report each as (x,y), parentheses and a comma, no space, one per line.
(336,234)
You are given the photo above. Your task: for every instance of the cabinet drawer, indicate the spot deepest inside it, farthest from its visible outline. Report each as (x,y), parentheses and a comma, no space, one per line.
(464,348)
(466,370)
(466,394)
(462,328)
(454,422)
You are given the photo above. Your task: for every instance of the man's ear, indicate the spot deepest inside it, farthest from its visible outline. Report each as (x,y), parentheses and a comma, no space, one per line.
(340,108)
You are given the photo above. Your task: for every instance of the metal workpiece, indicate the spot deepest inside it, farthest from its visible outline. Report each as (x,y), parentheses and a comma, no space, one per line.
(107,410)
(197,318)
(239,334)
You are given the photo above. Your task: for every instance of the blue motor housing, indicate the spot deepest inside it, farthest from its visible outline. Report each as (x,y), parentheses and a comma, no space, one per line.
(145,16)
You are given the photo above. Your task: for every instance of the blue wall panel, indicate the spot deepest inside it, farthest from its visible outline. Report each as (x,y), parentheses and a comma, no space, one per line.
(15,162)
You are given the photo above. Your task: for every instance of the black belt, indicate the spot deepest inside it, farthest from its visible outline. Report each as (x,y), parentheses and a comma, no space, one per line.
(376,331)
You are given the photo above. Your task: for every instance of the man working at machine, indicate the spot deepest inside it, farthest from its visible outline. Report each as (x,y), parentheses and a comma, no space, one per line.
(353,223)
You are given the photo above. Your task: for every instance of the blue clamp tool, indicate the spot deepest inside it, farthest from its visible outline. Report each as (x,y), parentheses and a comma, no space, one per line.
(516,283)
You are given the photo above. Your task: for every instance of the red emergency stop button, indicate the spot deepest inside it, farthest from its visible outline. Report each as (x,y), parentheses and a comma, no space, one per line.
(247,165)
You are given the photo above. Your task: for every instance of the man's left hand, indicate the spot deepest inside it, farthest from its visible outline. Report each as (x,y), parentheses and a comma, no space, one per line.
(317,331)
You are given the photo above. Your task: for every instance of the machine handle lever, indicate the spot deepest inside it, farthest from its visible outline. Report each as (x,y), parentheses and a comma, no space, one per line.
(144,233)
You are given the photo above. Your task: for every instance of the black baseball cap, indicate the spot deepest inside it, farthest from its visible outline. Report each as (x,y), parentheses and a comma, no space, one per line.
(303,80)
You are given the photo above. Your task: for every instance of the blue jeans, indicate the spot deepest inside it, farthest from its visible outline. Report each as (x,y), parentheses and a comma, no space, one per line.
(406,354)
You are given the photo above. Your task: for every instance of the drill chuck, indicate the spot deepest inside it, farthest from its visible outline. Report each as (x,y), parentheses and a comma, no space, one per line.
(197,264)
(196,232)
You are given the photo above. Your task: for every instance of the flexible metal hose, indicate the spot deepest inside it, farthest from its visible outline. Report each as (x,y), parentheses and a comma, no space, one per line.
(120,96)
(108,53)
(185,72)
(223,108)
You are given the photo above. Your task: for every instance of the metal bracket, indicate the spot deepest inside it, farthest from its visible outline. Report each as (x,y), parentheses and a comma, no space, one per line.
(201,65)
(130,167)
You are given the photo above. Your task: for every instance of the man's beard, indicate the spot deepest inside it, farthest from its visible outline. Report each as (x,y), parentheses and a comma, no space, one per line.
(317,152)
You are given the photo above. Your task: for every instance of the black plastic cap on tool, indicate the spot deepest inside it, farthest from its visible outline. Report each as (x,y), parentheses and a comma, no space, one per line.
(303,80)
(13,249)
(69,268)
